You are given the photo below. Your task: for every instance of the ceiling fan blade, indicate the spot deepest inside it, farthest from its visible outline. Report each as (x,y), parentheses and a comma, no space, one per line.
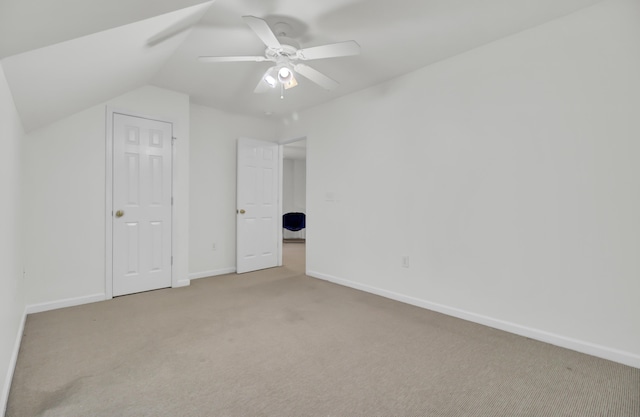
(331,50)
(264,32)
(231,59)
(316,76)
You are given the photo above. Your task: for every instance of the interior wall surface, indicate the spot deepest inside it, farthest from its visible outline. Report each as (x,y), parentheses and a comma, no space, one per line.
(287,186)
(300,185)
(12,298)
(294,185)
(509,177)
(65,166)
(214,135)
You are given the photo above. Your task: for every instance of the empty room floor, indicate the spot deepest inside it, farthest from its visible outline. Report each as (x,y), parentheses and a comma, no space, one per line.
(279,343)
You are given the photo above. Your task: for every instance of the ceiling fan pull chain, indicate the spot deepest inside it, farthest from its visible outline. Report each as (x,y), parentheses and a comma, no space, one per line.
(281,91)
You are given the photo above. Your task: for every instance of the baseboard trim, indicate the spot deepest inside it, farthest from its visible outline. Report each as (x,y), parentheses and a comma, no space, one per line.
(216,272)
(8,379)
(182,283)
(67,302)
(604,352)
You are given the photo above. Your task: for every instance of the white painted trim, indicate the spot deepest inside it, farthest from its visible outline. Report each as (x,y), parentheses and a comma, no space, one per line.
(214,273)
(108,191)
(291,140)
(67,302)
(175,281)
(615,355)
(8,379)
(280,200)
(181,283)
(108,267)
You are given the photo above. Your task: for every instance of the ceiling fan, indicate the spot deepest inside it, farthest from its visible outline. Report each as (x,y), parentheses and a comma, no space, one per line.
(285,53)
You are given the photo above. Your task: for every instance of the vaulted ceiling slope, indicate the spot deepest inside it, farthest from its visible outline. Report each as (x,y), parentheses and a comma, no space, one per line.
(61,56)
(31,24)
(59,80)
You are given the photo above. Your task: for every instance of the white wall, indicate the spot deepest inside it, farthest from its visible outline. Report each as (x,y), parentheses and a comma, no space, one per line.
(12,300)
(287,185)
(300,185)
(213,186)
(65,199)
(294,190)
(509,175)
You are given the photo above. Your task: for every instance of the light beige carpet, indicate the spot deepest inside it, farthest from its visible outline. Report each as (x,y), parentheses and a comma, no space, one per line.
(277,343)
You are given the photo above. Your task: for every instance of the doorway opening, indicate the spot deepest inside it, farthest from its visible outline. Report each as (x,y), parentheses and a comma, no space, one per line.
(294,203)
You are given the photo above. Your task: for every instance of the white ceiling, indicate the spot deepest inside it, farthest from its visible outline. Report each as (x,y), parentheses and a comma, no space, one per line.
(61,56)
(32,24)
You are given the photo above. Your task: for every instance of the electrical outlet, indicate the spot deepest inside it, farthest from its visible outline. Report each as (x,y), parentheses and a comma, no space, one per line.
(405,261)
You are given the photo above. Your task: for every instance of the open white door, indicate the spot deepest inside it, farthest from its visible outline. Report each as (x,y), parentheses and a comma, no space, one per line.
(257,219)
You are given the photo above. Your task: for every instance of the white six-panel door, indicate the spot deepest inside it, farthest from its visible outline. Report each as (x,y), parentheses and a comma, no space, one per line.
(257,209)
(142,177)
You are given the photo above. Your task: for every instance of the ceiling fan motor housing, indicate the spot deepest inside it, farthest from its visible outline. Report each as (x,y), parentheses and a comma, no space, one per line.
(288,49)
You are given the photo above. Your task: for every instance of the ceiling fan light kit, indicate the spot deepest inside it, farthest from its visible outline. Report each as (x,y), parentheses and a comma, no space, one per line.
(285,52)
(270,80)
(285,75)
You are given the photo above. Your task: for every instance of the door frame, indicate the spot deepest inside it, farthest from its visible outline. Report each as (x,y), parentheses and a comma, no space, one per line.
(108,212)
(282,143)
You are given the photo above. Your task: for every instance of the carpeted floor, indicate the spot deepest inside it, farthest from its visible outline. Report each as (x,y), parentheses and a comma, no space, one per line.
(277,343)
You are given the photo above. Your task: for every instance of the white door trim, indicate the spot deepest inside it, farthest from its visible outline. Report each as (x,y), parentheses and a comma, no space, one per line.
(280,197)
(109,114)
(291,140)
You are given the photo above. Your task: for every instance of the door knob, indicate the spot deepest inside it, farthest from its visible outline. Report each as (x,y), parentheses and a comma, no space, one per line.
(119,213)
(242,211)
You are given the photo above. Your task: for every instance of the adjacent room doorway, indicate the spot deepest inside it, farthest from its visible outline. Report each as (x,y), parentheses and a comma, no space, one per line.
(262,199)
(294,202)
